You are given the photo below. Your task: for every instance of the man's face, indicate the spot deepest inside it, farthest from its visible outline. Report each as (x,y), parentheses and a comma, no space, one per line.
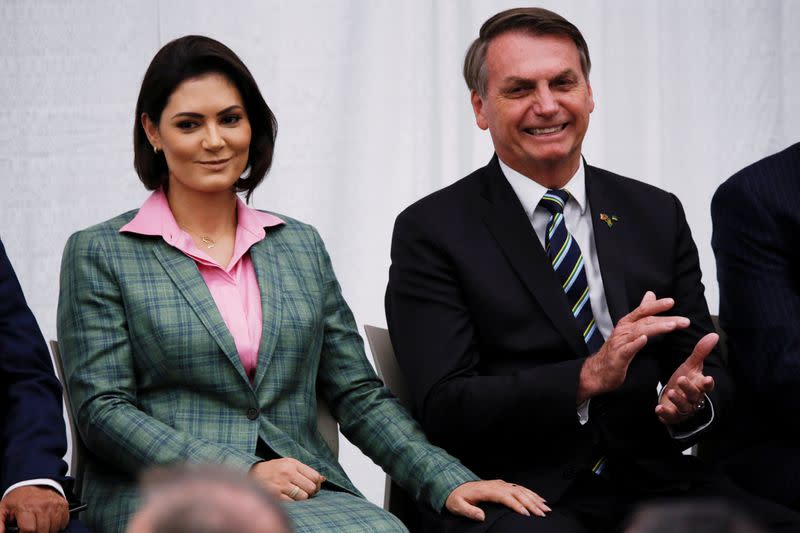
(537,104)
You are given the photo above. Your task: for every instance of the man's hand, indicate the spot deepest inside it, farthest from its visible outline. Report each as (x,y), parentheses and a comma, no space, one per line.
(516,497)
(287,479)
(36,510)
(685,392)
(605,371)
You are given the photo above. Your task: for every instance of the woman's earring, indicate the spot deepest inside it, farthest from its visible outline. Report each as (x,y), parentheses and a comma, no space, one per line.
(155,149)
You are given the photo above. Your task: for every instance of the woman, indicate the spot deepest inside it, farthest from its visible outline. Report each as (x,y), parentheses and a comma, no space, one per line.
(197,329)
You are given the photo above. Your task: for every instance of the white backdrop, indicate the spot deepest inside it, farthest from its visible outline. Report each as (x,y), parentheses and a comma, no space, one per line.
(373,114)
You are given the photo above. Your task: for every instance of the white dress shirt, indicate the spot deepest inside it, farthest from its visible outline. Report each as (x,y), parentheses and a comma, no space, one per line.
(578,218)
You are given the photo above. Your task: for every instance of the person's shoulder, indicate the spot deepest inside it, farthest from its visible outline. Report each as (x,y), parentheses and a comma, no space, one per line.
(449,199)
(102,231)
(623,185)
(766,176)
(290,226)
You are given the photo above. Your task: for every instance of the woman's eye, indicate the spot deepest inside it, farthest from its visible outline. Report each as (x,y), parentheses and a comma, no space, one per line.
(186,124)
(231,119)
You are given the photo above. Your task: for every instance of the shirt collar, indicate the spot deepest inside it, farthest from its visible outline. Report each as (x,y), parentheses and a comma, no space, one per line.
(155,218)
(530,192)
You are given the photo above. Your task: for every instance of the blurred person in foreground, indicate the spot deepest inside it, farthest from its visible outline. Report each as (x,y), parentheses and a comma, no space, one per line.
(198,329)
(701,516)
(205,500)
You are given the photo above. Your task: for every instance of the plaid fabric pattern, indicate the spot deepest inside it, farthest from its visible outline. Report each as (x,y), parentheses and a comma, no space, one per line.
(339,511)
(155,378)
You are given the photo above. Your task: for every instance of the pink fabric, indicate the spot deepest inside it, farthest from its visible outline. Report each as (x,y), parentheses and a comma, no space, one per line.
(235,287)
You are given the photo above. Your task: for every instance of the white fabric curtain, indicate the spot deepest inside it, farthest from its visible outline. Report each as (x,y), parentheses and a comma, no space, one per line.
(373,114)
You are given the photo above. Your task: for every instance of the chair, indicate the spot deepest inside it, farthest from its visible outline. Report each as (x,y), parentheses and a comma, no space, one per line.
(395,499)
(77,463)
(325,422)
(327,426)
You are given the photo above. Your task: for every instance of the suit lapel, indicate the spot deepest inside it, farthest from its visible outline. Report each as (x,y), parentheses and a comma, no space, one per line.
(183,272)
(503,214)
(266,261)
(609,240)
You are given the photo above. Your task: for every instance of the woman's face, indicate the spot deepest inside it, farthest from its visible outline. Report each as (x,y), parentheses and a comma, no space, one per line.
(204,134)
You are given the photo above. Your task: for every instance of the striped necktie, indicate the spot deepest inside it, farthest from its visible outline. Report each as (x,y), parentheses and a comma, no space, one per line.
(567,261)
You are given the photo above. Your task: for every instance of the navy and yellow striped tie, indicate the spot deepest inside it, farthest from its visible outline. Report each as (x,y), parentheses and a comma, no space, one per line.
(567,261)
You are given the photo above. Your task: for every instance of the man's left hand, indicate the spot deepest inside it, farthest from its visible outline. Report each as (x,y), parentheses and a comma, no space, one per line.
(685,392)
(36,510)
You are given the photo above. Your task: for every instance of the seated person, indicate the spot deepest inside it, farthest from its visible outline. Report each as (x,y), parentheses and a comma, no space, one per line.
(536,305)
(197,329)
(756,228)
(207,500)
(33,482)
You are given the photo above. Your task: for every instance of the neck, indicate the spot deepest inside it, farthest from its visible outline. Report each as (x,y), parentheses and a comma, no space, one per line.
(550,174)
(211,214)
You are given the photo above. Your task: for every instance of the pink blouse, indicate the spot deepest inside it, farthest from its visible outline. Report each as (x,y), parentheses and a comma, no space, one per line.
(235,287)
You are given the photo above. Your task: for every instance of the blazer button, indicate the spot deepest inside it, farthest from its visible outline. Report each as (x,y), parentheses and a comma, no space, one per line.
(569,473)
(252,413)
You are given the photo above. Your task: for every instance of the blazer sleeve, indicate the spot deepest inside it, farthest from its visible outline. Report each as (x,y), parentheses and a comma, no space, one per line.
(368,414)
(33,439)
(98,361)
(754,242)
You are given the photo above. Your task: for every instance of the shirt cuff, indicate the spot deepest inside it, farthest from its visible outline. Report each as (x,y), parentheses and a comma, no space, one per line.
(37,482)
(583,412)
(680,432)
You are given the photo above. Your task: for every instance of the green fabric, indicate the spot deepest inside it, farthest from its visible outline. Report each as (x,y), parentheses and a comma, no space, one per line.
(155,378)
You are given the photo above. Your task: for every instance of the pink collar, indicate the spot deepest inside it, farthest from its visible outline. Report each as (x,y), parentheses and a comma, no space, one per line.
(155,218)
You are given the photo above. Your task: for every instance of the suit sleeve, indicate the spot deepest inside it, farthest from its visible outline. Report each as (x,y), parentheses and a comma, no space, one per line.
(689,295)
(757,269)
(33,439)
(98,361)
(368,414)
(436,342)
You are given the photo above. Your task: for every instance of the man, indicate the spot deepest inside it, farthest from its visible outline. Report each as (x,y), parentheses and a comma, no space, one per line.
(536,304)
(206,500)
(756,228)
(33,480)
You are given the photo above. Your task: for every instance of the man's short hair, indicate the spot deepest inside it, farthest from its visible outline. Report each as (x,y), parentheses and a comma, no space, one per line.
(700,516)
(205,499)
(530,20)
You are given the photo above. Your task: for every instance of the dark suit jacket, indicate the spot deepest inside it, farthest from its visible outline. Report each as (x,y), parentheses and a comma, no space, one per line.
(32,436)
(492,356)
(756,238)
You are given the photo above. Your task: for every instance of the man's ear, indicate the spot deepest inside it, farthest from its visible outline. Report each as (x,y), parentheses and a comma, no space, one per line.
(591,96)
(151,130)
(477,108)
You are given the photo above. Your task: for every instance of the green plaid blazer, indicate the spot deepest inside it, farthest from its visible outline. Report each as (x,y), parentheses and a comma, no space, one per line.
(155,378)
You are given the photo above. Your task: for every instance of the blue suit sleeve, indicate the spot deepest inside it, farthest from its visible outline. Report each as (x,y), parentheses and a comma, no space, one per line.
(33,439)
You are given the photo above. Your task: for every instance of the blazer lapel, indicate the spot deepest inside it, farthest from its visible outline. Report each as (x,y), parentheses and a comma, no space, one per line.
(266,261)
(609,241)
(183,272)
(509,224)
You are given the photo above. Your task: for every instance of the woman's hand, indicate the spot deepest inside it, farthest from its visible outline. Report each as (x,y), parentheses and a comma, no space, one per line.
(516,497)
(287,479)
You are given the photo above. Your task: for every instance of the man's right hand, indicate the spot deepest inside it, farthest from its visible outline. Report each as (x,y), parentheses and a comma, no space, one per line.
(287,479)
(606,370)
(36,510)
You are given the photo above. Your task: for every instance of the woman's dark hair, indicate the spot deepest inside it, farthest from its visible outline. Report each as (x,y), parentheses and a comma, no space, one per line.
(190,57)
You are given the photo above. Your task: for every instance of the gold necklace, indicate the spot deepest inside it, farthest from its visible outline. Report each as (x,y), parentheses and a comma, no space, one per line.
(205,239)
